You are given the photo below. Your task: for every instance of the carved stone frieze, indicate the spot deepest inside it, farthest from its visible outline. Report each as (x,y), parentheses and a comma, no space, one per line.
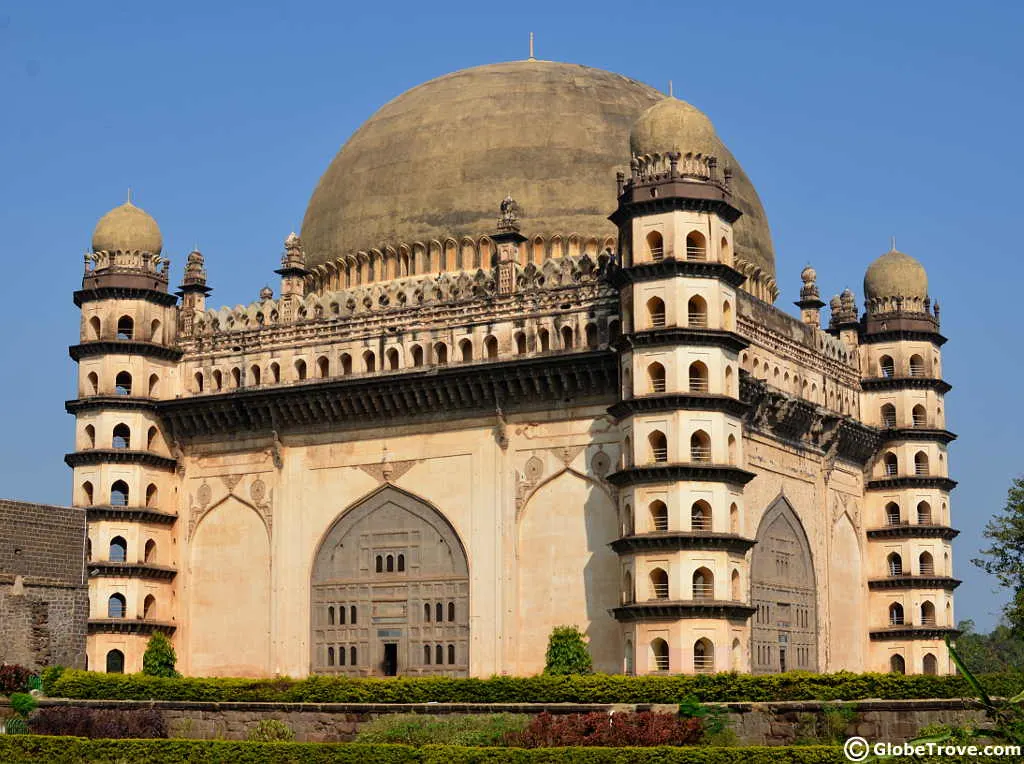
(260,498)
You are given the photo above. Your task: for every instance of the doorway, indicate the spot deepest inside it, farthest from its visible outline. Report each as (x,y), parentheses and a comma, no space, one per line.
(390,665)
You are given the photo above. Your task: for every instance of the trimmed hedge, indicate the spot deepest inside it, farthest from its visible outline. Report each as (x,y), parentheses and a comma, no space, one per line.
(70,750)
(594,688)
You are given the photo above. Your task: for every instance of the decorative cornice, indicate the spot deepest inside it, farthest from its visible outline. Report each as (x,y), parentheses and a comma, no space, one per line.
(909,631)
(164,299)
(908,531)
(678,401)
(874,338)
(125,347)
(109,403)
(872,384)
(437,392)
(131,514)
(918,433)
(119,456)
(683,336)
(631,208)
(674,610)
(913,582)
(671,267)
(678,472)
(144,570)
(911,481)
(129,626)
(682,540)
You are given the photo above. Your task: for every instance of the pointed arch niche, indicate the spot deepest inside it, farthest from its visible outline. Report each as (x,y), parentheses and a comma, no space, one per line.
(432,573)
(782,588)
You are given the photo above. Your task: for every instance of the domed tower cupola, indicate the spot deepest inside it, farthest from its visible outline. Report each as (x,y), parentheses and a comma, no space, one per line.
(126,247)
(896,296)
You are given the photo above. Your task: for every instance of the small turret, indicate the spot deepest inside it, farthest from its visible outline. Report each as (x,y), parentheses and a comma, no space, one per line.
(507,239)
(193,290)
(810,302)
(293,276)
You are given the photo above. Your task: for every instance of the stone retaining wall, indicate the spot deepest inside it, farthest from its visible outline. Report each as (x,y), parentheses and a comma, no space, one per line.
(754,723)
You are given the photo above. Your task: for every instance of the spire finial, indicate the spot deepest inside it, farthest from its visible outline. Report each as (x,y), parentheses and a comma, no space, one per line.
(531,47)
(893,242)
(129,194)
(670,95)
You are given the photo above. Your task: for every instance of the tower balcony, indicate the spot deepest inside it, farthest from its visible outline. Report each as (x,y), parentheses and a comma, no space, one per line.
(694,471)
(143,570)
(924,581)
(674,610)
(703,539)
(903,530)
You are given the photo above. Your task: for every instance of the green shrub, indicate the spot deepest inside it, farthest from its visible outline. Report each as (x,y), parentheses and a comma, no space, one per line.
(592,688)
(159,658)
(567,652)
(14,726)
(451,729)
(269,731)
(23,704)
(50,676)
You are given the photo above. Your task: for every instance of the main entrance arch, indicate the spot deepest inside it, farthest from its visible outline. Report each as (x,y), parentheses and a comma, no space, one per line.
(390,591)
(785,624)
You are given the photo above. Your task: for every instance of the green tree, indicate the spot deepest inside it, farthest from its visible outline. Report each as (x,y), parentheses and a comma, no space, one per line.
(1004,559)
(159,658)
(999,651)
(567,652)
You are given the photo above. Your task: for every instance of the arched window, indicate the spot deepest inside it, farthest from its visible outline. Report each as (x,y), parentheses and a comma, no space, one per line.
(149,555)
(659,516)
(152,495)
(897,665)
(352,653)
(697,312)
(218,380)
(920,463)
(926,564)
(927,613)
(323,367)
(352,619)
(627,452)
(123,383)
(698,375)
(93,386)
(254,375)
(90,436)
(727,316)
(892,464)
(916,366)
(520,343)
(300,369)
(275,373)
(894,564)
(895,614)
(737,654)
(426,613)
(920,416)
(155,333)
(439,612)
(451,655)
(887,367)
(393,359)
(590,335)
(696,246)
(198,382)
(426,655)
(380,564)
(451,611)
(659,651)
(125,328)
(703,584)
(924,513)
(700,447)
(369,361)
(929,665)
(659,584)
(703,656)
(119,494)
(330,655)
(121,437)
(889,416)
(731,448)
(729,381)
(417,355)
(118,549)
(152,439)
(544,340)
(466,350)
(116,606)
(440,354)
(627,588)
(87,493)
(627,521)
(655,246)
(491,347)
(892,513)
(659,446)
(734,519)
(700,516)
(390,562)
(149,607)
(401,563)
(115,662)
(236,378)
(567,337)
(656,377)
(614,331)
(655,312)
(94,328)
(341,615)
(154,385)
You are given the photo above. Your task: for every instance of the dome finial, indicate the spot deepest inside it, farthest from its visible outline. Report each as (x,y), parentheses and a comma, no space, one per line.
(129,194)
(892,248)
(670,94)
(531,48)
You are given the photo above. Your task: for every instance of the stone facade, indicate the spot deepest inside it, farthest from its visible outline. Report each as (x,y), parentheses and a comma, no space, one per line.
(420,460)
(43,593)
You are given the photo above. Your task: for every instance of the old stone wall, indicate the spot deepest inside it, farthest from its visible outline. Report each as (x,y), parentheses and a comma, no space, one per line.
(754,723)
(44,602)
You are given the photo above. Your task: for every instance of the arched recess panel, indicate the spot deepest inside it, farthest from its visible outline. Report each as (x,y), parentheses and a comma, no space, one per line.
(422,564)
(229,577)
(846,600)
(568,575)
(782,588)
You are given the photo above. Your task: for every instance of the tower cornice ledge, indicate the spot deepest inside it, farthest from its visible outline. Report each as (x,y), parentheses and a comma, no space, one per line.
(674,610)
(907,531)
(109,403)
(918,433)
(670,266)
(125,347)
(129,626)
(131,514)
(683,336)
(676,472)
(914,582)
(682,540)
(95,294)
(905,383)
(119,456)
(913,632)
(911,481)
(674,401)
(145,570)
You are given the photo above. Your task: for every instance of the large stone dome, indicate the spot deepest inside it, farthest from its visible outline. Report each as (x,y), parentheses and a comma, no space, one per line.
(127,229)
(895,274)
(436,161)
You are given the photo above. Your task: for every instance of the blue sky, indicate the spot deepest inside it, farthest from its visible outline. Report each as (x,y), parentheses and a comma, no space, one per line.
(856,122)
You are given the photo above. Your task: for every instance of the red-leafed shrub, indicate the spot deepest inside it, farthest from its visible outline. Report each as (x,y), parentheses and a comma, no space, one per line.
(99,722)
(14,678)
(643,728)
